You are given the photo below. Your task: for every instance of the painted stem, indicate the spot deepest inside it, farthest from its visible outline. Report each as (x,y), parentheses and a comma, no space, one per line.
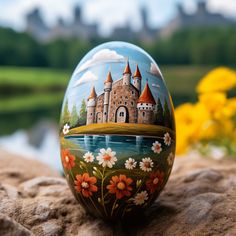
(113,207)
(102,193)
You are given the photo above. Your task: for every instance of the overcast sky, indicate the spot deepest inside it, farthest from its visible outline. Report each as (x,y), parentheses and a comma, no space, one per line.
(108,13)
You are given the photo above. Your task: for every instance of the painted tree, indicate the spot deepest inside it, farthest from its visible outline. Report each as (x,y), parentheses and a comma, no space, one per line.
(82,113)
(159,114)
(74,117)
(65,114)
(167,117)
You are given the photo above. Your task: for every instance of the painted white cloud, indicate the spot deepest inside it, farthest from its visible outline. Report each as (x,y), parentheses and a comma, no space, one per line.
(156,85)
(87,77)
(154,69)
(102,56)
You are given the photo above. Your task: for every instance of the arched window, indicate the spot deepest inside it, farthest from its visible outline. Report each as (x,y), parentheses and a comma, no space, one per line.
(122,114)
(143,114)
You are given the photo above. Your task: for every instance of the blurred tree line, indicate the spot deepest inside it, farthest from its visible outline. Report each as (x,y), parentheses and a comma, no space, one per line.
(201,46)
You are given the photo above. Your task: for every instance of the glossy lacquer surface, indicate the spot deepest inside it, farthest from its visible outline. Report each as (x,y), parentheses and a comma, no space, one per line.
(117,131)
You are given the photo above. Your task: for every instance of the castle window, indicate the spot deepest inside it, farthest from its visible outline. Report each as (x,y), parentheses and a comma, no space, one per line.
(141,104)
(146,104)
(132,103)
(143,113)
(132,92)
(105,113)
(114,103)
(126,97)
(122,114)
(121,97)
(146,108)
(125,103)
(114,92)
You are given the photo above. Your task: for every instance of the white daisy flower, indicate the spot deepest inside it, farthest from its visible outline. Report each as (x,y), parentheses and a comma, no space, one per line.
(170,159)
(140,198)
(146,164)
(167,139)
(88,157)
(66,129)
(130,164)
(156,147)
(106,157)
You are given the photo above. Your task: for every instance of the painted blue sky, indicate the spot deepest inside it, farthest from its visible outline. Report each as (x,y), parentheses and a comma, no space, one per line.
(108,13)
(93,70)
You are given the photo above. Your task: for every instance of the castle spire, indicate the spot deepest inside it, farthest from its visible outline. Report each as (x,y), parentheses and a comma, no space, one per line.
(146,96)
(137,73)
(109,78)
(127,69)
(93,93)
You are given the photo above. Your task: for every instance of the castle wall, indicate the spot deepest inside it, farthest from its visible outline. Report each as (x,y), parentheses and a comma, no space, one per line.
(126,96)
(99,109)
(145,117)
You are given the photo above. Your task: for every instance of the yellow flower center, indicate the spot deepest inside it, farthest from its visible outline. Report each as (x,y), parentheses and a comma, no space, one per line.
(155,181)
(67,159)
(84,185)
(121,186)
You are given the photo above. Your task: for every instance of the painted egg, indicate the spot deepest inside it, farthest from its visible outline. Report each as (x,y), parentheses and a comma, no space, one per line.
(117,131)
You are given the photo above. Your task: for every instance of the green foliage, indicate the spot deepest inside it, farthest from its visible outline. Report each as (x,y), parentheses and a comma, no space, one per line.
(65,118)
(201,46)
(167,116)
(74,117)
(159,114)
(82,113)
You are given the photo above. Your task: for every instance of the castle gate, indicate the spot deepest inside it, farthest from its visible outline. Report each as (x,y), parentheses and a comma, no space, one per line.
(122,115)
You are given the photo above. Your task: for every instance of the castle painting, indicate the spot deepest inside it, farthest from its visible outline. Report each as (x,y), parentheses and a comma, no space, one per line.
(122,101)
(117,89)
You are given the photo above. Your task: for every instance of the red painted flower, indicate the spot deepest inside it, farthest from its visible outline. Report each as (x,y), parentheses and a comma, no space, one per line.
(120,186)
(68,160)
(155,180)
(85,184)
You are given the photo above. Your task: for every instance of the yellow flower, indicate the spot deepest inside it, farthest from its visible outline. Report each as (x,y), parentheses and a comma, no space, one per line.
(218,80)
(213,101)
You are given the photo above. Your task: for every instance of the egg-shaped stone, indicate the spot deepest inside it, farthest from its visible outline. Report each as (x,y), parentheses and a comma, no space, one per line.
(117,131)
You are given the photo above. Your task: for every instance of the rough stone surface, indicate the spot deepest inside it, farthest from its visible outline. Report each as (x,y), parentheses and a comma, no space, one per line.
(199,199)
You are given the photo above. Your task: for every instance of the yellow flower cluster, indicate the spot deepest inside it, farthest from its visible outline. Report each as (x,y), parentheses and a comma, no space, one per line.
(213,117)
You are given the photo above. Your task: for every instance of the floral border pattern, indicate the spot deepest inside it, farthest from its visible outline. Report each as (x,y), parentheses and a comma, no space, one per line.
(109,191)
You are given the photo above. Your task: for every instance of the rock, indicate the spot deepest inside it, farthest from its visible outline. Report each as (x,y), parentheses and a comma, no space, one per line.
(199,199)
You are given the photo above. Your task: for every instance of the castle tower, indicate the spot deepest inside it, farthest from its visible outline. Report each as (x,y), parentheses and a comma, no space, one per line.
(137,79)
(126,74)
(91,105)
(107,89)
(146,106)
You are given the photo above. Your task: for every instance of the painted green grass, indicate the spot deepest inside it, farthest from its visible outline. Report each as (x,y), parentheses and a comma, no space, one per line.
(120,128)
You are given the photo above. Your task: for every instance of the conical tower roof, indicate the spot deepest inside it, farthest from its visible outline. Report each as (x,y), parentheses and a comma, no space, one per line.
(146,96)
(127,69)
(93,93)
(109,78)
(137,73)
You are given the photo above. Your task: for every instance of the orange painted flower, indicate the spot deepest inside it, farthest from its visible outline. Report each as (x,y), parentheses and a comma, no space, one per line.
(85,184)
(68,160)
(155,180)
(120,186)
